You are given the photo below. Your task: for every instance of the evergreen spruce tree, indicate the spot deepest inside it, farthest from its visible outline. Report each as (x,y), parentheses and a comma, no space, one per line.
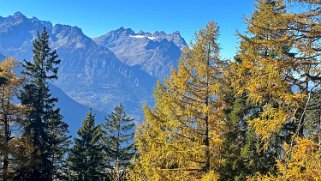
(86,157)
(59,143)
(242,150)
(119,130)
(44,122)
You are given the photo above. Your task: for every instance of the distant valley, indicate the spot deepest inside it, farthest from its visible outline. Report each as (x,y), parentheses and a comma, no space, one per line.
(119,67)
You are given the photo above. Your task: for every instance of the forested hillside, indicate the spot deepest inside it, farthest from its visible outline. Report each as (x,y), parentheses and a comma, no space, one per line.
(254,117)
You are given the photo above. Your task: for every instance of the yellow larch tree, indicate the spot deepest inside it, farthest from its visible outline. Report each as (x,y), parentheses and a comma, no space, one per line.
(182,136)
(303,162)
(305,26)
(279,73)
(266,64)
(10,115)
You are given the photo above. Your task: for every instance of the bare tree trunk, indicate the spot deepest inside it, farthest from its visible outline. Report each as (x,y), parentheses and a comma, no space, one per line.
(207,139)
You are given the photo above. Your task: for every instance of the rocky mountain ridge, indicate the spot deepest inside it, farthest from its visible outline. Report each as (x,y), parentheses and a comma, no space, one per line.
(154,53)
(91,71)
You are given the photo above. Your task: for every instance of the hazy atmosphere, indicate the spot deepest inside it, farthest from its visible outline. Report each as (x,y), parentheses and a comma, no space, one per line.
(160,90)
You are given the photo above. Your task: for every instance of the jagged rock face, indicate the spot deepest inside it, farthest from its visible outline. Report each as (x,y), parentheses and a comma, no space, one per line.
(119,67)
(16,33)
(90,74)
(154,53)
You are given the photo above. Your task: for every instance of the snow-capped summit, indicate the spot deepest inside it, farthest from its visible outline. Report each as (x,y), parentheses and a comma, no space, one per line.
(155,53)
(143,36)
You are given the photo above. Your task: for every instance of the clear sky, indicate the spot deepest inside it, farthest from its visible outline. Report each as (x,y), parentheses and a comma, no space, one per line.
(97,17)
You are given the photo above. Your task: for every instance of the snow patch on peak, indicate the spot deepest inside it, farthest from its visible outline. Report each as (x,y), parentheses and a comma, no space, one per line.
(143,36)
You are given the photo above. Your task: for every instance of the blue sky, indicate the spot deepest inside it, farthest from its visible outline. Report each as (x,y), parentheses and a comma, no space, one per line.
(96,17)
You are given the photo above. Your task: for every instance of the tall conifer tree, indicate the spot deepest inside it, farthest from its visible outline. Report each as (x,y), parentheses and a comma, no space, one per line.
(119,128)
(279,72)
(86,157)
(182,136)
(242,148)
(45,126)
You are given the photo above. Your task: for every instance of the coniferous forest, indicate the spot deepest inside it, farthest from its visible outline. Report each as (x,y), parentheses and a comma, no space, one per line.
(255,117)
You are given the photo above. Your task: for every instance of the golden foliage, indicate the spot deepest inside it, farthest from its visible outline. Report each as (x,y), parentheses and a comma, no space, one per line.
(278,61)
(181,138)
(301,162)
(264,74)
(211,176)
(10,114)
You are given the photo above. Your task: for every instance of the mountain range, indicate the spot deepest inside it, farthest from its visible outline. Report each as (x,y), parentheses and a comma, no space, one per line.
(119,67)
(154,53)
